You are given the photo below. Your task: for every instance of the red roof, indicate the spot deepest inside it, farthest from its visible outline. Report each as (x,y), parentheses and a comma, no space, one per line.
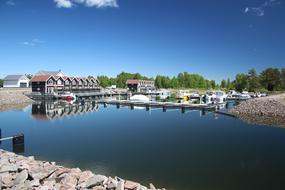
(39,78)
(133,81)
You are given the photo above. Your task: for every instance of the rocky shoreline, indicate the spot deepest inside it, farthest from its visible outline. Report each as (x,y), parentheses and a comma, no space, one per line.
(19,172)
(14,99)
(265,111)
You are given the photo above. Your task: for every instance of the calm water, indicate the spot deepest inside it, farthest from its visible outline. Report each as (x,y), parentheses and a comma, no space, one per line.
(170,149)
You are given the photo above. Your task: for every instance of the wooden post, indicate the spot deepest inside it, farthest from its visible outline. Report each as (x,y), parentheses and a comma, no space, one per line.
(118,106)
(18,139)
(182,109)
(147,107)
(164,108)
(132,106)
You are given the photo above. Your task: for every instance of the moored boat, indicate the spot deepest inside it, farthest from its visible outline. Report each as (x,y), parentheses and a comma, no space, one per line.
(67,96)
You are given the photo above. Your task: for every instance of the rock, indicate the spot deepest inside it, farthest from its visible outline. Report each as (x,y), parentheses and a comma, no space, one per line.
(8,168)
(120,185)
(142,187)
(152,187)
(84,176)
(96,180)
(112,183)
(98,188)
(61,171)
(45,187)
(131,185)
(69,180)
(34,183)
(21,177)
(49,183)
(6,179)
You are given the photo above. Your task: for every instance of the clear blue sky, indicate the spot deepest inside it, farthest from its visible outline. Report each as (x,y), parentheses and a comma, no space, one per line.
(216,39)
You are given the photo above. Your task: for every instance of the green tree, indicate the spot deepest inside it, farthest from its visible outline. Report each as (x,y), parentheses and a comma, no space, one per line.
(270,79)
(241,82)
(253,81)
(157,81)
(282,77)
(223,84)
(174,82)
(229,84)
(213,84)
(1,83)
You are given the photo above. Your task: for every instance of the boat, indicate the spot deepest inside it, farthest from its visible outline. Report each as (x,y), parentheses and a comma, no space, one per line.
(163,94)
(215,97)
(233,93)
(220,97)
(209,97)
(183,95)
(67,96)
(140,98)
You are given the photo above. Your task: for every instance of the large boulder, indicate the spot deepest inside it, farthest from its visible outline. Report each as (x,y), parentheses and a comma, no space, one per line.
(96,180)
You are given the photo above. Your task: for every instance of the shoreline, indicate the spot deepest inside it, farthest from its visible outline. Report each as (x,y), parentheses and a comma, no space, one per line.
(268,110)
(20,172)
(14,99)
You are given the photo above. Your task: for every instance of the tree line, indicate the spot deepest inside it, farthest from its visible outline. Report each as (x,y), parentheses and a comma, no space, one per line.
(270,79)
(182,80)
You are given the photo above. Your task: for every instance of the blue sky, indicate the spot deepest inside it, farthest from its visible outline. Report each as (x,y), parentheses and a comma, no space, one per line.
(216,39)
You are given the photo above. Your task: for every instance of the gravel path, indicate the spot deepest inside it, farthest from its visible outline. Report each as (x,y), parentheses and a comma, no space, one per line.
(11,99)
(267,110)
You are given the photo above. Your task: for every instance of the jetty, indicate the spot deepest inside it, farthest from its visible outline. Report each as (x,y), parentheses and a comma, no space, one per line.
(155,104)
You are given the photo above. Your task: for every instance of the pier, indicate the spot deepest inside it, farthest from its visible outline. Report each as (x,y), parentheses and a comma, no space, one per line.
(155,104)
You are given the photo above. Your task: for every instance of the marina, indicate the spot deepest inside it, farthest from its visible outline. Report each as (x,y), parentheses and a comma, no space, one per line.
(199,137)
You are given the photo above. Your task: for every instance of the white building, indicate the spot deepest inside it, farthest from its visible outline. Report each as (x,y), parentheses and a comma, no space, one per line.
(16,81)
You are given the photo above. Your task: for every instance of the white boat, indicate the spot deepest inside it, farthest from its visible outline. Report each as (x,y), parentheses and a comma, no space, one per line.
(163,94)
(245,95)
(140,98)
(233,93)
(194,94)
(221,97)
(209,97)
(213,97)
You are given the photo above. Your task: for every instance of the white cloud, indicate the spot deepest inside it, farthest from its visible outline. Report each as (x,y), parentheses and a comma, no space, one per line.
(101,3)
(63,3)
(259,11)
(33,42)
(87,3)
(10,2)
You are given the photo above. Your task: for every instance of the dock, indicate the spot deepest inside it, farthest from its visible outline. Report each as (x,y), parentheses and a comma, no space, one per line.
(155,104)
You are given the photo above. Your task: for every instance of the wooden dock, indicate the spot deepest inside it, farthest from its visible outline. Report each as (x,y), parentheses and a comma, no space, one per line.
(155,104)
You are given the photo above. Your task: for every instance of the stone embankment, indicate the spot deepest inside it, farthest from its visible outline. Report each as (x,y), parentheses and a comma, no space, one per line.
(268,110)
(12,98)
(19,172)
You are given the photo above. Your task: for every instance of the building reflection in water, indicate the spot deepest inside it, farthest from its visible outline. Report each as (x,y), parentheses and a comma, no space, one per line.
(60,109)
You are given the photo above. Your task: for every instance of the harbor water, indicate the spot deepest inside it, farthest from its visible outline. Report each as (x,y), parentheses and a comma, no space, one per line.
(179,151)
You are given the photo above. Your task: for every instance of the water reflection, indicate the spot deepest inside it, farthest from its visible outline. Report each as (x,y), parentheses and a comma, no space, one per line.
(58,110)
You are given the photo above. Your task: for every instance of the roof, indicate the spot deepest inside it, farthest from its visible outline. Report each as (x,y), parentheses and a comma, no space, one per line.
(133,81)
(41,78)
(15,77)
(43,72)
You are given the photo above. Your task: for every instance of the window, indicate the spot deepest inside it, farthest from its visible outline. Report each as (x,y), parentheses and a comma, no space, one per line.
(50,81)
